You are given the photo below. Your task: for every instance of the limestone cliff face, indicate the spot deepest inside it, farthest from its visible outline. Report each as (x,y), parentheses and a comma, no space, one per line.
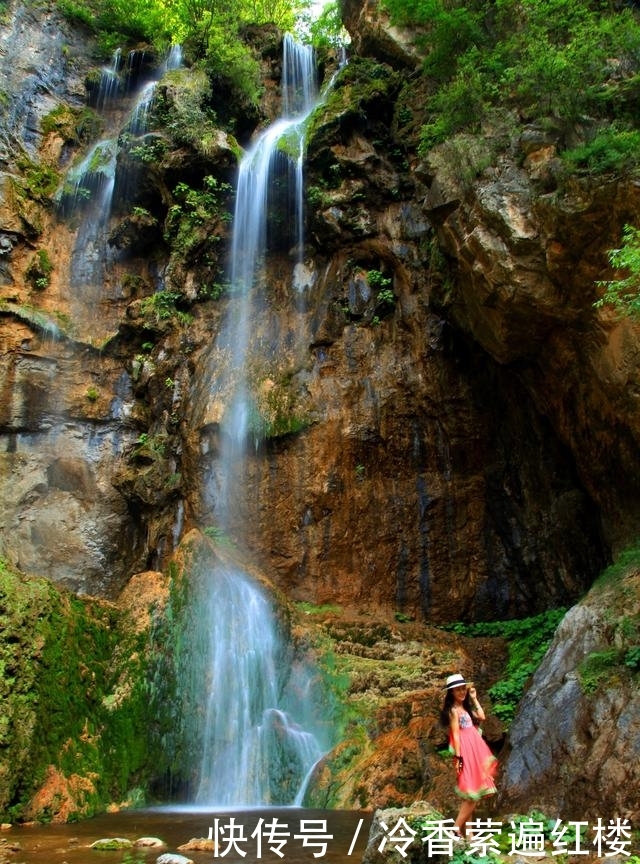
(415,483)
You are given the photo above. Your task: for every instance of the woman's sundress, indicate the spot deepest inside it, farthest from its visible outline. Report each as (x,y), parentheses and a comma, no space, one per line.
(479,765)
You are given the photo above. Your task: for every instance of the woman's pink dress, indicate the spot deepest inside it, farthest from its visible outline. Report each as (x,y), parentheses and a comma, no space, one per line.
(479,765)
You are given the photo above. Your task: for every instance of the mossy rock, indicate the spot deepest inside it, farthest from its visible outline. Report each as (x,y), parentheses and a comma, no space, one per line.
(107,843)
(73,748)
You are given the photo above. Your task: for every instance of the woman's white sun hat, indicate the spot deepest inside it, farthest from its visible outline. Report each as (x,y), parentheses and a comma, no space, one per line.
(455,681)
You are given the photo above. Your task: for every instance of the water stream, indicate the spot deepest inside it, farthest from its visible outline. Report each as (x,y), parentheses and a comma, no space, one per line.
(260,733)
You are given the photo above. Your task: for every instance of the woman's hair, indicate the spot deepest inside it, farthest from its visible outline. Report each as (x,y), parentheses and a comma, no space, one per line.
(445,713)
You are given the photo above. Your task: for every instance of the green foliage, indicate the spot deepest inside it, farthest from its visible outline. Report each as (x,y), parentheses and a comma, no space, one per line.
(214,532)
(458,104)
(453,28)
(163,306)
(527,640)
(192,219)
(624,294)
(213,291)
(565,58)
(327,30)
(149,447)
(39,270)
(119,22)
(614,148)
(597,668)
(385,299)
(40,181)
(73,125)
(230,60)
(378,280)
(149,152)
(312,609)
(274,412)
(183,111)
(77,13)
(618,655)
(632,658)
(207,27)
(628,559)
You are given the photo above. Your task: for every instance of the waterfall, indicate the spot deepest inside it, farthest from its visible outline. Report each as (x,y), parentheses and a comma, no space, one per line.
(277,154)
(259,739)
(89,188)
(139,120)
(255,749)
(109,86)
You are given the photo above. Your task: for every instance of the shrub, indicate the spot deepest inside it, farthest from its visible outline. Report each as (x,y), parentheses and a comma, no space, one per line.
(564,58)
(39,270)
(528,640)
(612,149)
(624,293)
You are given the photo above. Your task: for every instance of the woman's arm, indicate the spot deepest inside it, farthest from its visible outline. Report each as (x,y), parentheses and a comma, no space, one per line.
(476,708)
(454,735)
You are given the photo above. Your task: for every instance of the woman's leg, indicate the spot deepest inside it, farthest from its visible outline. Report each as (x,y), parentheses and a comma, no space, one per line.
(464,814)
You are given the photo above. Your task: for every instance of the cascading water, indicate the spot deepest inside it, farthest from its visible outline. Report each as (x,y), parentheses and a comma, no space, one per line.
(93,183)
(255,747)
(259,736)
(277,154)
(109,85)
(89,186)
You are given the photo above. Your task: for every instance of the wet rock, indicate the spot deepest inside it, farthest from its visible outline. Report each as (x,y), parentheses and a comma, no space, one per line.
(34,88)
(111,843)
(149,842)
(396,832)
(574,747)
(198,844)
(173,858)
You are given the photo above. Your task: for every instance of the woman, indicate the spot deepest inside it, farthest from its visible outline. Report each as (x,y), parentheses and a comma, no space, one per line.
(474,762)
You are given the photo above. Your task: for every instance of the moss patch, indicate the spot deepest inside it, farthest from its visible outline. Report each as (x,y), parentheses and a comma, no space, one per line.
(73,706)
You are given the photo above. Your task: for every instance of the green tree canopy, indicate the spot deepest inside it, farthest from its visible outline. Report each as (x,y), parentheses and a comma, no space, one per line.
(196,22)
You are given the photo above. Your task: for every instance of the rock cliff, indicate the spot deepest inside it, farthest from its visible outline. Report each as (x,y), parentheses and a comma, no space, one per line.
(415,483)
(450,427)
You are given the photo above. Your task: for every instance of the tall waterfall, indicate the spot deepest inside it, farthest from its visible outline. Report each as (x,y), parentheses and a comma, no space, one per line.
(276,154)
(259,738)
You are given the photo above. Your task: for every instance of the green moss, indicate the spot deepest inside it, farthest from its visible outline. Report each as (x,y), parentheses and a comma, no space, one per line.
(598,668)
(312,609)
(615,595)
(276,411)
(109,843)
(627,560)
(72,124)
(361,86)
(72,696)
(39,181)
